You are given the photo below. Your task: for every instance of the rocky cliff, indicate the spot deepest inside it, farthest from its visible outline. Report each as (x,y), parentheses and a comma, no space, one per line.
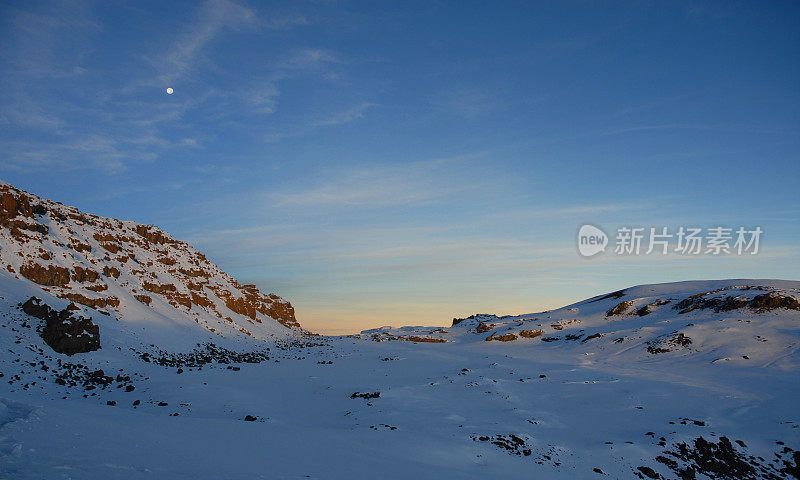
(121,267)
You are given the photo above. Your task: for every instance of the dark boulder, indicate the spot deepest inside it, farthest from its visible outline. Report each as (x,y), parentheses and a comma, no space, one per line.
(64,332)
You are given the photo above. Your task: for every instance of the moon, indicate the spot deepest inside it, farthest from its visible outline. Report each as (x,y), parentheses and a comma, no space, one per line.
(169,90)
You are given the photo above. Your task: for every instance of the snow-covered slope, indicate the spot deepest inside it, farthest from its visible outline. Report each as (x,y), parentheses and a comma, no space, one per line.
(721,405)
(750,323)
(134,273)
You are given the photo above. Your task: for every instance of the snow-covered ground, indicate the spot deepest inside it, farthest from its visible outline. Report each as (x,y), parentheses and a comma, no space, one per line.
(571,407)
(199,377)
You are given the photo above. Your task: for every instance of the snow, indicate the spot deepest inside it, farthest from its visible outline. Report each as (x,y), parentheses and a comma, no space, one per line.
(600,388)
(434,397)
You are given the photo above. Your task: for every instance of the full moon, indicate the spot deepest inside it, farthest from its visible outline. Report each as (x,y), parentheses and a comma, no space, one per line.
(169,90)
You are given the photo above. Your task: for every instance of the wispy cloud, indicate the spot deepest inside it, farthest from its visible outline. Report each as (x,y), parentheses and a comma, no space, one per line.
(214,17)
(24,112)
(36,47)
(353,113)
(87,120)
(372,186)
(309,59)
(466,102)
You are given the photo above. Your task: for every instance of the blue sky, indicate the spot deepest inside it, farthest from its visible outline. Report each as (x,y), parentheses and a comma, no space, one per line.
(403,163)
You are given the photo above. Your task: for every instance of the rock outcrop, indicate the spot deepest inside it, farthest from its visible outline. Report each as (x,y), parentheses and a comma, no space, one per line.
(63,331)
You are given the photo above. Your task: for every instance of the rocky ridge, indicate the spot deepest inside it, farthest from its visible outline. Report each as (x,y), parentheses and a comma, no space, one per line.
(121,267)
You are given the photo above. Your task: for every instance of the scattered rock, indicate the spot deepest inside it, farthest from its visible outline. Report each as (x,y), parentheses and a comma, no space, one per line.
(508,337)
(664,345)
(531,333)
(620,308)
(484,327)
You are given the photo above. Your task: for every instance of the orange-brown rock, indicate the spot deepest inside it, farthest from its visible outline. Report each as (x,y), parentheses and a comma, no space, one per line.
(167,261)
(531,333)
(283,313)
(81,247)
(425,339)
(193,272)
(242,307)
(111,247)
(201,300)
(12,205)
(160,289)
(508,337)
(153,234)
(95,303)
(180,299)
(484,327)
(144,299)
(13,208)
(51,275)
(80,274)
(111,272)
(105,237)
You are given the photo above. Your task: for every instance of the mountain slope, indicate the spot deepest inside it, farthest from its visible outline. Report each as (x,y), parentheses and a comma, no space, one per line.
(136,273)
(744,322)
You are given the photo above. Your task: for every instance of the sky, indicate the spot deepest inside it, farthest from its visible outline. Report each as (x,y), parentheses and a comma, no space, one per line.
(381,163)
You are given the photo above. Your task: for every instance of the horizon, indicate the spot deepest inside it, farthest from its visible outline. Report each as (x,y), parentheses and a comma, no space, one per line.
(399,164)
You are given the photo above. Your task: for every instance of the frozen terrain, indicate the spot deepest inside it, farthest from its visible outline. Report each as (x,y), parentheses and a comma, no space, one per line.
(466,408)
(674,381)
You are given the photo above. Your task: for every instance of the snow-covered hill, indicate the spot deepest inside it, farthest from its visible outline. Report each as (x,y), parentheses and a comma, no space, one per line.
(749,323)
(154,285)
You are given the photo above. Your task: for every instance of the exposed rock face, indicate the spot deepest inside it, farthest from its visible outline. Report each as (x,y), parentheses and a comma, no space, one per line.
(95,303)
(484,327)
(45,275)
(111,272)
(476,318)
(620,308)
(508,337)
(255,302)
(104,263)
(82,275)
(531,333)
(18,214)
(759,303)
(425,339)
(64,332)
(144,299)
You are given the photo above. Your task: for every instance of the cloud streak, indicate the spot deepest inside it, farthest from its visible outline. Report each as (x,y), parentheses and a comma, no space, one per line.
(376,186)
(214,17)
